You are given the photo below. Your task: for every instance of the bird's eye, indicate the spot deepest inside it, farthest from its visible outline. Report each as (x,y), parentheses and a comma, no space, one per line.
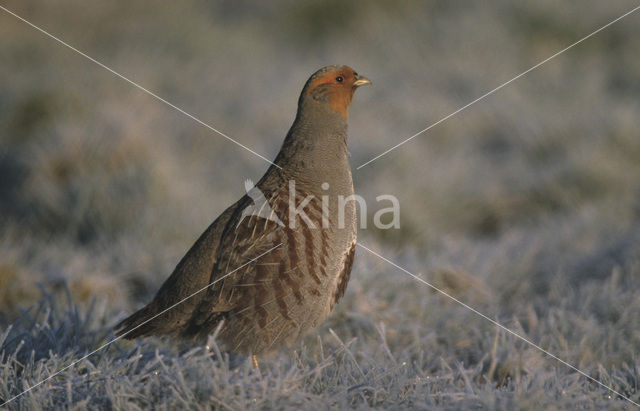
(339,79)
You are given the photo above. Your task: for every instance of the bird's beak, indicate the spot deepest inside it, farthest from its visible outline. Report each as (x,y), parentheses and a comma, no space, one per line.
(361,81)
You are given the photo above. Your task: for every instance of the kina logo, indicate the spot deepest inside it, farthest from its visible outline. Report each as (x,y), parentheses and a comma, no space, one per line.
(260,207)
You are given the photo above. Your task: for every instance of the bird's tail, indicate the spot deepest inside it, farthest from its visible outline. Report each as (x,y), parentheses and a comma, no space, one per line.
(138,324)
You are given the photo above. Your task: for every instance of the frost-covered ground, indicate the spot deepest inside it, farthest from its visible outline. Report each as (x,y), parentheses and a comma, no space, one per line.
(525,206)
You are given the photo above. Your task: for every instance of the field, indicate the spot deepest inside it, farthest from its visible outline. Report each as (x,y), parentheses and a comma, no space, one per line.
(525,206)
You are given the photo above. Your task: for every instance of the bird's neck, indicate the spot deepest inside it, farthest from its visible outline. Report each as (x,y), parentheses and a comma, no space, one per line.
(316,142)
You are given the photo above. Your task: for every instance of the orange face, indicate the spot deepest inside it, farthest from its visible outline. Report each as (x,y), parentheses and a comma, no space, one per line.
(339,84)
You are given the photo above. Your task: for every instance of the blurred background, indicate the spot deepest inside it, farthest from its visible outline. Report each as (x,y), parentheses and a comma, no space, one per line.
(526,205)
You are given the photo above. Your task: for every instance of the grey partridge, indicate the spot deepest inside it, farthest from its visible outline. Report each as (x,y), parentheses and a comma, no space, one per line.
(275,274)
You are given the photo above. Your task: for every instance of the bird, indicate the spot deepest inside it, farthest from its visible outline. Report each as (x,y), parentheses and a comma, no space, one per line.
(272,276)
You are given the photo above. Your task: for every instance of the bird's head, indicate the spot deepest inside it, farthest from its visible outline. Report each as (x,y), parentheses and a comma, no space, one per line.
(334,86)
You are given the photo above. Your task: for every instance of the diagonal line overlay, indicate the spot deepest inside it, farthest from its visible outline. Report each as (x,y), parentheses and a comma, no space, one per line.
(494,322)
(496,89)
(139,86)
(137,326)
(362,165)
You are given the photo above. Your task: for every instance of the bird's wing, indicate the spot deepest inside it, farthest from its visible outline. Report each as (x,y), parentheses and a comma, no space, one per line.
(180,293)
(250,252)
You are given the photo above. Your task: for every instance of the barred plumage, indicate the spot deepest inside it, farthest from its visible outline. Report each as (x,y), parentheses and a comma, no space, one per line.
(272,300)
